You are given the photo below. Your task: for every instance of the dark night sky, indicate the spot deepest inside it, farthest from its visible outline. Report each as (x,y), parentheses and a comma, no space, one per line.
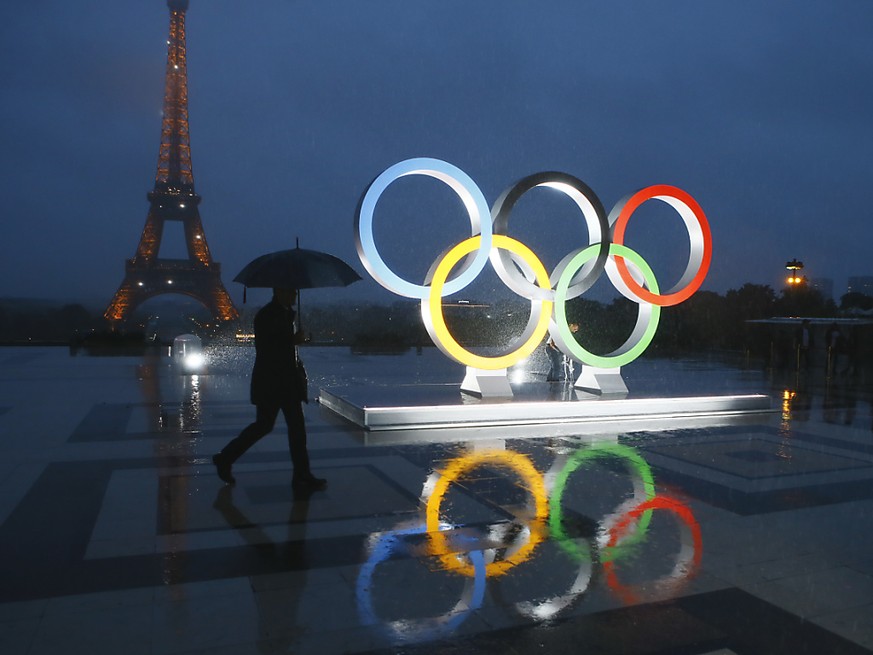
(763,111)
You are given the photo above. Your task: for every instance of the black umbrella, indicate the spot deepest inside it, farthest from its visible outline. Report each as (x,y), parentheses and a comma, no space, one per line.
(297,268)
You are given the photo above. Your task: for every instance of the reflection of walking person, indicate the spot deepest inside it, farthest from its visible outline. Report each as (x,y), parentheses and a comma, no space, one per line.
(276,386)
(804,344)
(278,622)
(835,346)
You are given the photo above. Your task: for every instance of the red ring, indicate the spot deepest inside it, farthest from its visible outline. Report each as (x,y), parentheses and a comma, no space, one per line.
(616,532)
(630,206)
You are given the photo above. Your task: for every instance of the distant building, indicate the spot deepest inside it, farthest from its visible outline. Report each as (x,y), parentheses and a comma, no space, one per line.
(824,285)
(861,284)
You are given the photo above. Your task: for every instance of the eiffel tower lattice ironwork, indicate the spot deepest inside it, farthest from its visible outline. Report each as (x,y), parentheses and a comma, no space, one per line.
(173,199)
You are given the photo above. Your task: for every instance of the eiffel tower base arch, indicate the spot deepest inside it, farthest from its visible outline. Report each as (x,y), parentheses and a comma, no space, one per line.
(143,283)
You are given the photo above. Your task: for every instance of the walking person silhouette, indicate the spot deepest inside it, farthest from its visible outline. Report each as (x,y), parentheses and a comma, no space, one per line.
(276,385)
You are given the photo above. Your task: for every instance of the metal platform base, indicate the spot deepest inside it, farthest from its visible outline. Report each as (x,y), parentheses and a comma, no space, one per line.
(434,406)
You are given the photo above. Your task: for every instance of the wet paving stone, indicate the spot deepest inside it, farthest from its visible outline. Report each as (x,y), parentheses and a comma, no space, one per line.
(735,538)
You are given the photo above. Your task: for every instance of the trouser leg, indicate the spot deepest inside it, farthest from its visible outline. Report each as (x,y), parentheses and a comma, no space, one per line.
(263,425)
(555,368)
(293,413)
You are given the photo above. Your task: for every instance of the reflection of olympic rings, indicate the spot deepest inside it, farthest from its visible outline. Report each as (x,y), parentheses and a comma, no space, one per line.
(472,554)
(545,608)
(522,271)
(644,490)
(387,545)
(504,459)
(687,561)
(627,526)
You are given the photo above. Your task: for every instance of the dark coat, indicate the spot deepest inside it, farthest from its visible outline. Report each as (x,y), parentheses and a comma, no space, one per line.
(274,376)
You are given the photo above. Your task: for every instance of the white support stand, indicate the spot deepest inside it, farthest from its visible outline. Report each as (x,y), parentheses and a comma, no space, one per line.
(603,381)
(487,384)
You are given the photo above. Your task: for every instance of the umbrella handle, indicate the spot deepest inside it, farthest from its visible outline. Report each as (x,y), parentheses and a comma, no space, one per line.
(299,313)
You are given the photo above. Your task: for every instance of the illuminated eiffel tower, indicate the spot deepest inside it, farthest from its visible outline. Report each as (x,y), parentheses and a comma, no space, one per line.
(173,199)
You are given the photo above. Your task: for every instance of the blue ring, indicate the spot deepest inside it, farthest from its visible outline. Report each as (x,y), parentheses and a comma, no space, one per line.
(460,183)
(386,545)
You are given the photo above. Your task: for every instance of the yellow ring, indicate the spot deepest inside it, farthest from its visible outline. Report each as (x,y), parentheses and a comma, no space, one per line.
(535,485)
(441,333)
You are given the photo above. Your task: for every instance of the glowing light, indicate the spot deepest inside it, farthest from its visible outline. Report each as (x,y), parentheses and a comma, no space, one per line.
(793,267)
(194,361)
(787,396)
(519,374)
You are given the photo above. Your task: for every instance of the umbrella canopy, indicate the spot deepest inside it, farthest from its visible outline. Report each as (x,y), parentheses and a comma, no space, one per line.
(297,268)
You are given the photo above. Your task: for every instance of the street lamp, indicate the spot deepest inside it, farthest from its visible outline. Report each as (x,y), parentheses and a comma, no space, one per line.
(794,278)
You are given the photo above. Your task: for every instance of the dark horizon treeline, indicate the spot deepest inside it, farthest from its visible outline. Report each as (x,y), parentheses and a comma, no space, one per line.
(26,321)
(707,321)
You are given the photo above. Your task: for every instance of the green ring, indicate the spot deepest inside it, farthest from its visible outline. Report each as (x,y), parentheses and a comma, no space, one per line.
(556,523)
(623,355)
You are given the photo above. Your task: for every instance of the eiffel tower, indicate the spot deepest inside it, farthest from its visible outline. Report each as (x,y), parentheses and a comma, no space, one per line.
(173,199)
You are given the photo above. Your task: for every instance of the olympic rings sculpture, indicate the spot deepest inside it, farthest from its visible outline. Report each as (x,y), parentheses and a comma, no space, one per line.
(523,272)
(482,553)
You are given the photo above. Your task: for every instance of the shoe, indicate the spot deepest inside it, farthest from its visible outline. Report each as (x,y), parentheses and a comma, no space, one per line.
(223,469)
(309,482)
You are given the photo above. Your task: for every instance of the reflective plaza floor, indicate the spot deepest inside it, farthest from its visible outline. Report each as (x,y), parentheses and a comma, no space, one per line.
(745,537)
